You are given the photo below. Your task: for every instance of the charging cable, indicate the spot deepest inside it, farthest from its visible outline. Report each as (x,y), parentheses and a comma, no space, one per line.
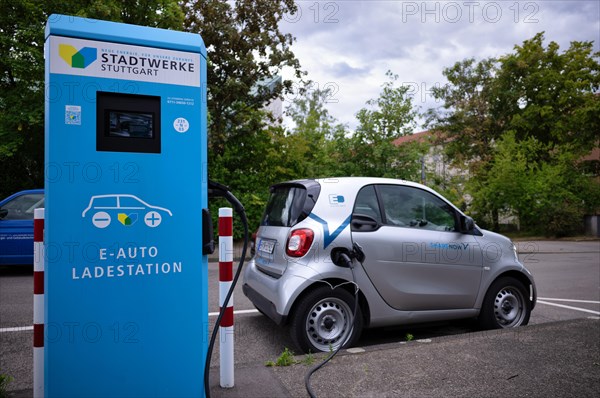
(342,257)
(216,190)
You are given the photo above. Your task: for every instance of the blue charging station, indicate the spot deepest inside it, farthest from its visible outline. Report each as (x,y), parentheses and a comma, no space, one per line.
(126,309)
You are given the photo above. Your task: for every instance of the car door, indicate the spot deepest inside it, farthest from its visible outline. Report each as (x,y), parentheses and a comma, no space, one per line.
(16,227)
(415,256)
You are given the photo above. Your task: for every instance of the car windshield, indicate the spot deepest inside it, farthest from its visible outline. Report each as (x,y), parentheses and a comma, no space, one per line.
(22,207)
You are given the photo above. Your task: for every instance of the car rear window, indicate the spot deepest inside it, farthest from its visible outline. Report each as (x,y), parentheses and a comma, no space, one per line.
(289,204)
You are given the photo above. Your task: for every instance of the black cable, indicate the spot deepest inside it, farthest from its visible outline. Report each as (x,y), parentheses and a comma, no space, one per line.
(239,209)
(319,366)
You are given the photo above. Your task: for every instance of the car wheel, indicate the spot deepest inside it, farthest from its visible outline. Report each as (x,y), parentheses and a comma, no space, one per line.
(324,320)
(506,305)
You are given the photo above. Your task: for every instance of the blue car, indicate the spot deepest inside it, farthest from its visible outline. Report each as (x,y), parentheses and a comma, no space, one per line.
(16,226)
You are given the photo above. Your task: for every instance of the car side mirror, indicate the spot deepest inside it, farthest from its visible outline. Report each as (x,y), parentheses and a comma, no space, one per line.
(364,223)
(3,213)
(466,224)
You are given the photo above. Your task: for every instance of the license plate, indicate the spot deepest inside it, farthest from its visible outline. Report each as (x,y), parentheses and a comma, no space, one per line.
(266,246)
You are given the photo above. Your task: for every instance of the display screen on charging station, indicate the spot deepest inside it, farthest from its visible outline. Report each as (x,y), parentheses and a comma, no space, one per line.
(126,281)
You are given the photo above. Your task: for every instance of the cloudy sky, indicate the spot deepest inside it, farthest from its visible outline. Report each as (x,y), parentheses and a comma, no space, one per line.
(348,46)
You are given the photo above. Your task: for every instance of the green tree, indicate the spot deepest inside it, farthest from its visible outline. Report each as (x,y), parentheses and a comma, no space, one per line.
(22,98)
(538,98)
(246,50)
(21,95)
(246,54)
(386,118)
(467,126)
(246,166)
(550,95)
(499,189)
(547,100)
(341,153)
(166,14)
(313,132)
(464,124)
(548,196)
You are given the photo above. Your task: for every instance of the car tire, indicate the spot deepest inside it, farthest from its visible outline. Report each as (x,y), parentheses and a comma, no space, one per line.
(323,320)
(506,305)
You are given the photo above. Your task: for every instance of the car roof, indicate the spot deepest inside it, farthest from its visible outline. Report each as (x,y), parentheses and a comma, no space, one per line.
(359,182)
(26,191)
(348,183)
(369,180)
(355,181)
(20,193)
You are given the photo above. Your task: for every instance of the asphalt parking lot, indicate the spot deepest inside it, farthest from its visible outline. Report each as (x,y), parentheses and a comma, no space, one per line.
(557,355)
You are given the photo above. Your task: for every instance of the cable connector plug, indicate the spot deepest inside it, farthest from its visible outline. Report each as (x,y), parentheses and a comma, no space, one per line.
(217,190)
(342,256)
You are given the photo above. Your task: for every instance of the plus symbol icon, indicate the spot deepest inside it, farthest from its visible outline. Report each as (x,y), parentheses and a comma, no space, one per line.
(153,219)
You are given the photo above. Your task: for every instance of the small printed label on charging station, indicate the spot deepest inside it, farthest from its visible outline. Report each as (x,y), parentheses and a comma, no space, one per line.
(181,125)
(73,114)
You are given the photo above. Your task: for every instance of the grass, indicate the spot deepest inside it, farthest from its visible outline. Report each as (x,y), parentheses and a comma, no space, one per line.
(287,358)
(5,380)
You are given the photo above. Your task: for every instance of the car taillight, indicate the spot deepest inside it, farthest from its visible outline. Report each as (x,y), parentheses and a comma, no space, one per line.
(299,242)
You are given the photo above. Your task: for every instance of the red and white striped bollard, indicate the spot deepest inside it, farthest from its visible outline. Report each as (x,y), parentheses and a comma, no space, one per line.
(225,279)
(38,303)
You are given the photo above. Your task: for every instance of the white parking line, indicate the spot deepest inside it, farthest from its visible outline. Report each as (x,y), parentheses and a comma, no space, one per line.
(569,300)
(17,329)
(239,312)
(569,307)
(29,328)
(235,312)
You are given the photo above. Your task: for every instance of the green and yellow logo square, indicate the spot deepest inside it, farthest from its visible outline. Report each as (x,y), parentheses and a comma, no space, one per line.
(77,58)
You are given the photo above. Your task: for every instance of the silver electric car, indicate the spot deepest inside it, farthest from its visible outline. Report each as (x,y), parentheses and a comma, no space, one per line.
(407,253)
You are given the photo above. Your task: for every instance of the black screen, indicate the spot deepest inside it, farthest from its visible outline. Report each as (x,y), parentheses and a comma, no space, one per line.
(131,124)
(127,123)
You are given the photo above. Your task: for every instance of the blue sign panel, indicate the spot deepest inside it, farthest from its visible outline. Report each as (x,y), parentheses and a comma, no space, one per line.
(126,281)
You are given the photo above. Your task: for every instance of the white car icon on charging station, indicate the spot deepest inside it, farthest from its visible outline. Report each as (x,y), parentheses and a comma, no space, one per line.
(102,206)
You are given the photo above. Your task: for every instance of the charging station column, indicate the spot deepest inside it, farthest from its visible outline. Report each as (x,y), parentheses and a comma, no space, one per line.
(126,182)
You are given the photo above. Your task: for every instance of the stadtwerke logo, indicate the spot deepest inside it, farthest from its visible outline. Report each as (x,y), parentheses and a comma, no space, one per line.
(77,59)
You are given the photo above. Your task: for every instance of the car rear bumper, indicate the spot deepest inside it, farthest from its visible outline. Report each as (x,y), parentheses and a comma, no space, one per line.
(264,305)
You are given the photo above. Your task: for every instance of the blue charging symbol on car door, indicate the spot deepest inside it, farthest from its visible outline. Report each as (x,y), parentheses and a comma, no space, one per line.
(336,199)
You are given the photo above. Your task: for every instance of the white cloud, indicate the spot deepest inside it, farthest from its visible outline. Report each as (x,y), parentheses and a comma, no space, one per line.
(348,46)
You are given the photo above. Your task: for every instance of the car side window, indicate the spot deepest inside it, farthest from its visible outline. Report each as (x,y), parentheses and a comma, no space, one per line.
(22,207)
(367,204)
(415,208)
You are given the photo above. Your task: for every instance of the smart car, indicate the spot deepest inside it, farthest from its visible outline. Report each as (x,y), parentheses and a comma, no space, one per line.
(415,258)
(16,226)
